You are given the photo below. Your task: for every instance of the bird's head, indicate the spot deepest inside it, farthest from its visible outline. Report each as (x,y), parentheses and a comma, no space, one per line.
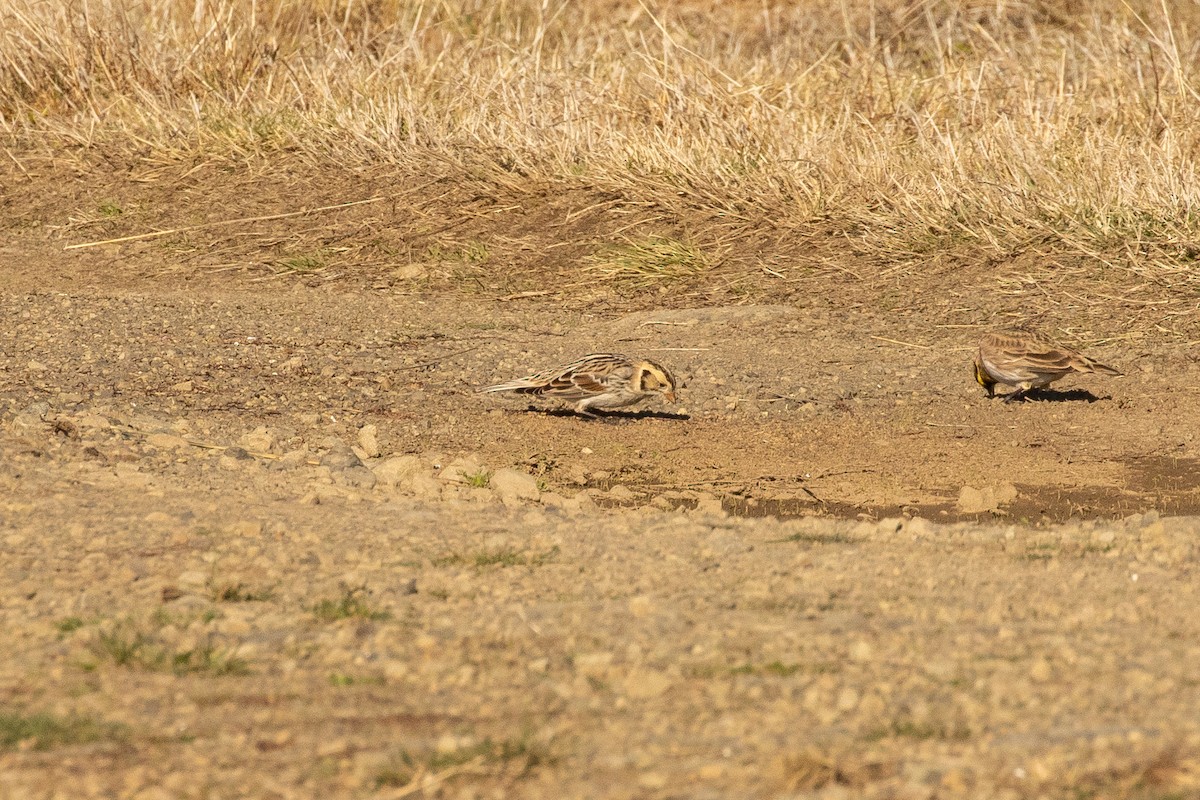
(983,379)
(655,378)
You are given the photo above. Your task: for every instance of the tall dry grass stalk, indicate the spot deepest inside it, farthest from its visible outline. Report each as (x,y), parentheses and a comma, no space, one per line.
(904,128)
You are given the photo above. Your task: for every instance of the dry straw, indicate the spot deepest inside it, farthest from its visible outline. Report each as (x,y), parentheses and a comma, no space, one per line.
(902,130)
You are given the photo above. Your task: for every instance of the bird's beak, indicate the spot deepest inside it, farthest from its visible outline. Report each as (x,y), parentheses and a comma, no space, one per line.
(670,396)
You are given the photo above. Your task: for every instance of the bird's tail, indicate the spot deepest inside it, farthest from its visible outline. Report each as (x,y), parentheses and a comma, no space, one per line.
(520,385)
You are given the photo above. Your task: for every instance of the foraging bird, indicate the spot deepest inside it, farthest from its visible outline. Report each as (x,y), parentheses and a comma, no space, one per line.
(599,380)
(1027,360)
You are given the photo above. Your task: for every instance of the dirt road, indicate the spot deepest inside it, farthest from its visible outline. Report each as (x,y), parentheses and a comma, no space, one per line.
(272,537)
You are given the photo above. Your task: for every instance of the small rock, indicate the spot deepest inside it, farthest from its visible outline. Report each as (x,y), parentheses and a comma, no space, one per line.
(553,500)
(582,502)
(26,423)
(847,699)
(398,470)
(861,651)
(621,494)
(661,502)
(238,453)
(260,440)
(640,606)
(290,460)
(340,456)
(167,441)
(229,463)
(94,421)
(426,486)
(368,441)
(461,470)
(183,387)
(1041,671)
(410,272)
(513,486)
(975,501)
(359,477)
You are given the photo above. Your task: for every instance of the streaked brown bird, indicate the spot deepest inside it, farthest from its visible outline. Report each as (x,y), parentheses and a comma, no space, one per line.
(1027,360)
(598,380)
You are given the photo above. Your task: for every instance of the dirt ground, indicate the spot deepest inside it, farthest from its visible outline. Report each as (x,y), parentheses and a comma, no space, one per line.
(263,538)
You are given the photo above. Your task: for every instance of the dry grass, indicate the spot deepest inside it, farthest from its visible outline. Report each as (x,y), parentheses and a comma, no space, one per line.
(895,133)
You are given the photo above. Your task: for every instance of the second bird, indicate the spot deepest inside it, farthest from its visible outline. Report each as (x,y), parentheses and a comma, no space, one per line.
(1027,360)
(599,380)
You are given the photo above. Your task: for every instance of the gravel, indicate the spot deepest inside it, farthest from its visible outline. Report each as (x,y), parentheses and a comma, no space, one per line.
(299,632)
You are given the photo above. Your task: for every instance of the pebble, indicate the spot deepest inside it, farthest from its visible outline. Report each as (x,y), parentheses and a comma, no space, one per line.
(461,470)
(398,470)
(426,486)
(513,486)
(340,456)
(167,441)
(989,498)
(861,651)
(260,440)
(368,440)
(360,477)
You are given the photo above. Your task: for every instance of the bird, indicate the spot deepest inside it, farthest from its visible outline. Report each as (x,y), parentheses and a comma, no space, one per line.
(596,381)
(1027,360)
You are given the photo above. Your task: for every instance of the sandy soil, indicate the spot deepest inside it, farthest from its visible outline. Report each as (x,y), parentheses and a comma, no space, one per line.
(263,538)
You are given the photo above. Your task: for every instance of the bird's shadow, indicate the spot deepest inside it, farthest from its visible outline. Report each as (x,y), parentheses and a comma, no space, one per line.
(1060,396)
(608,416)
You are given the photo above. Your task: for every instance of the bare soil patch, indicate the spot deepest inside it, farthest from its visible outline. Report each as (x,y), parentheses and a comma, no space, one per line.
(268,532)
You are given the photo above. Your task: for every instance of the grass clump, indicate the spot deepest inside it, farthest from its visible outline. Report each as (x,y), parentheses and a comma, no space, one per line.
(509,557)
(1049,143)
(812,537)
(515,756)
(342,680)
(127,646)
(478,480)
(239,593)
(47,731)
(351,604)
(649,261)
(303,263)
(502,557)
(472,252)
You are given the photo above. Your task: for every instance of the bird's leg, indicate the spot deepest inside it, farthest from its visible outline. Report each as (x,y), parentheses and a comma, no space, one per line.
(1019,394)
(582,409)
